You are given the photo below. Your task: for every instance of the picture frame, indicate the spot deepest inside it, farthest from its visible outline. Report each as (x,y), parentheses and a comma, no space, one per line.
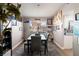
(14,22)
(77,16)
(55,28)
(20,29)
(49,21)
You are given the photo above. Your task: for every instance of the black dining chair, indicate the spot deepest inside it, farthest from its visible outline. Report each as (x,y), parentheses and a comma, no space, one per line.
(37,34)
(35,44)
(27,44)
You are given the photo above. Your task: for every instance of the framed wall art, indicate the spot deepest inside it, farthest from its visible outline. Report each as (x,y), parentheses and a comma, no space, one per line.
(14,22)
(77,16)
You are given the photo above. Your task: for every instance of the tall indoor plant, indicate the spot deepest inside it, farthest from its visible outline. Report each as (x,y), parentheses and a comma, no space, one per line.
(7,10)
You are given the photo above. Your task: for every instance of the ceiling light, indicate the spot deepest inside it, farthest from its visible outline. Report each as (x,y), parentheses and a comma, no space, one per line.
(38,4)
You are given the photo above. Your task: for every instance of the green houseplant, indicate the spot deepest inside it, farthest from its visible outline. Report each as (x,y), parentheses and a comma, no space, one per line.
(6,10)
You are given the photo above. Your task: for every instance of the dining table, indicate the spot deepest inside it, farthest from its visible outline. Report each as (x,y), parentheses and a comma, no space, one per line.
(43,39)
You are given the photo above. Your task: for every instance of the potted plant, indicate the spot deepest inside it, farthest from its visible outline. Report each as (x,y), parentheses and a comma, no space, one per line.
(7,10)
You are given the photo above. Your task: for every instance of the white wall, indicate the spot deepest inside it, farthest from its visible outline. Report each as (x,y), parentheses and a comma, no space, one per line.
(26,28)
(17,32)
(59,38)
(59,35)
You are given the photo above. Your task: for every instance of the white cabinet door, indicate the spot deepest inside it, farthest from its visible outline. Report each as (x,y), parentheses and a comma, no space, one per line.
(68,42)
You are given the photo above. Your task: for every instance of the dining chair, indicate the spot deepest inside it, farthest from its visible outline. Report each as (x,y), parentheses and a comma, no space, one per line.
(37,34)
(27,45)
(35,44)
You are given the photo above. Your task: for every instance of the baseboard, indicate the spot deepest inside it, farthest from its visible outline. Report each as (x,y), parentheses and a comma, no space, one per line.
(58,45)
(17,44)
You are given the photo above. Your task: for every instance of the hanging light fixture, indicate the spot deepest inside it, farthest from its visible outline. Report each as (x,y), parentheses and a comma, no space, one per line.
(38,5)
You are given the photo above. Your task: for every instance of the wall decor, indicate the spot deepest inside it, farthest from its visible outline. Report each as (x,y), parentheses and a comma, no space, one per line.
(54,28)
(14,22)
(49,21)
(26,21)
(77,16)
(20,29)
(57,27)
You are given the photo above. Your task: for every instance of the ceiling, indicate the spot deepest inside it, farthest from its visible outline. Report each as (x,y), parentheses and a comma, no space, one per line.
(39,9)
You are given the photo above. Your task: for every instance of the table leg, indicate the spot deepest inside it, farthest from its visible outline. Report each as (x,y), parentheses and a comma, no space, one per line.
(45,48)
(28,47)
(24,47)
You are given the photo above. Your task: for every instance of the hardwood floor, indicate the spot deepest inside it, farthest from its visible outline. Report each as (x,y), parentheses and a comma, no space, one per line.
(68,52)
(53,50)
